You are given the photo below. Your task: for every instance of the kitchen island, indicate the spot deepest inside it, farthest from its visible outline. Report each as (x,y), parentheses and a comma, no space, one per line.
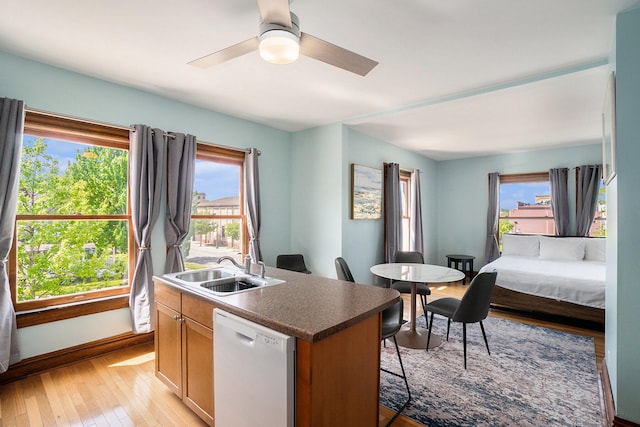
(337,326)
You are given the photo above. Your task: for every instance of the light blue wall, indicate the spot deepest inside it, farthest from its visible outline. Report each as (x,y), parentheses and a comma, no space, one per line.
(623,293)
(462,196)
(363,240)
(316,200)
(48,88)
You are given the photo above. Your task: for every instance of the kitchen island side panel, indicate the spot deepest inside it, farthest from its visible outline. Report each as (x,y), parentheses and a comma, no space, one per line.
(337,382)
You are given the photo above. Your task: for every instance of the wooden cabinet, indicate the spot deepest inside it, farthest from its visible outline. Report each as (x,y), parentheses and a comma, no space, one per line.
(337,377)
(184,347)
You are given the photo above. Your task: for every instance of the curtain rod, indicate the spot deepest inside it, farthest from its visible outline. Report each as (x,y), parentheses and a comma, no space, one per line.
(129,128)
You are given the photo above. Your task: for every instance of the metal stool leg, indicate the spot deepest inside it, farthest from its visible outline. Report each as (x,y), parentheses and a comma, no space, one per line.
(406,383)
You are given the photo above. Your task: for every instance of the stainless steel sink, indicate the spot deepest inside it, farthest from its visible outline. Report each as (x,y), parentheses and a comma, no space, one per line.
(220,281)
(232,284)
(204,275)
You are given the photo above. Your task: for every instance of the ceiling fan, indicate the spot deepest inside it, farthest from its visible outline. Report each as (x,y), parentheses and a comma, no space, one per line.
(280,41)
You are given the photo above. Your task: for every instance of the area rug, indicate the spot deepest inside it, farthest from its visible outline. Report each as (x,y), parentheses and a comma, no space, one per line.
(534,377)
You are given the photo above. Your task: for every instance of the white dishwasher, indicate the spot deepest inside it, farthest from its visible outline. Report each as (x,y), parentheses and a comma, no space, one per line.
(254,374)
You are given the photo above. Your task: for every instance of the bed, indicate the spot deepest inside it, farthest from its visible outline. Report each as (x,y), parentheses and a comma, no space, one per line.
(560,276)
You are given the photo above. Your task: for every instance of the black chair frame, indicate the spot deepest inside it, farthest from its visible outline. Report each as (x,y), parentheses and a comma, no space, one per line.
(472,308)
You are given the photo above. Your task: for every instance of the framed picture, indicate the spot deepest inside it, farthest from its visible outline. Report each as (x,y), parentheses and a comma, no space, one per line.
(609,131)
(366,192)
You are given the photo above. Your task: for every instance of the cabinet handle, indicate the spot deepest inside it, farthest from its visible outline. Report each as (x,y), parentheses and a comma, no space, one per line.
(176,317)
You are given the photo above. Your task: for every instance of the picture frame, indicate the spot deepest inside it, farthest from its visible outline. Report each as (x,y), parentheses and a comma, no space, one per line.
(366,192)
(609,131)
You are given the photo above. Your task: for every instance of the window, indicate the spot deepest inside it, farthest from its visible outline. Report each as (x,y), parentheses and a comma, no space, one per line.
(218,225)
(72,234)
(405,195)
(599,225)
(525,205)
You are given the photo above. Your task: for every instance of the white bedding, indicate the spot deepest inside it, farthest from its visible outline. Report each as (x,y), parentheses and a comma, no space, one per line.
(579,282)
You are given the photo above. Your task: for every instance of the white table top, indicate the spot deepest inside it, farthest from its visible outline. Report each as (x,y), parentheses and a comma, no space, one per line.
(418,273)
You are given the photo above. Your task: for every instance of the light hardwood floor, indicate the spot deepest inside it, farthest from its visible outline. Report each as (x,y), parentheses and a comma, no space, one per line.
(120,388)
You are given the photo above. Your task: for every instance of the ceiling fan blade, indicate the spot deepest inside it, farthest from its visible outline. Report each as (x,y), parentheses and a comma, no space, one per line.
(275,12)
(337,56)
(223,55)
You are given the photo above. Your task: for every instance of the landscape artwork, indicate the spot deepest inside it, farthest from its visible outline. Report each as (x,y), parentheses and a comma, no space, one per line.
(366,192)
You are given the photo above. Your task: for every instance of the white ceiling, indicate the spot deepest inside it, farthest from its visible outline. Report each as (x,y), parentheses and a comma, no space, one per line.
(456,78)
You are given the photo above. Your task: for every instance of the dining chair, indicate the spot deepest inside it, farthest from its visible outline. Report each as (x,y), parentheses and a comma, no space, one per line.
(391,324)
(292,262)
(472,308)
(422,289)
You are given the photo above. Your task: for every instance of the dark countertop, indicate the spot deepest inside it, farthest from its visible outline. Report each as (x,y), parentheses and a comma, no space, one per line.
(306,306)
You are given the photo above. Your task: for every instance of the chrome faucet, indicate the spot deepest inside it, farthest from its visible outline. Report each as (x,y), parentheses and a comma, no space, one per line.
(262,269)
(234,262)
(247,264)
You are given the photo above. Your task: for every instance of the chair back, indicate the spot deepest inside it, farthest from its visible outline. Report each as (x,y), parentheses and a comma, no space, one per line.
(292,262)
(408,257)
(392,319)
(474,305)
(343,271)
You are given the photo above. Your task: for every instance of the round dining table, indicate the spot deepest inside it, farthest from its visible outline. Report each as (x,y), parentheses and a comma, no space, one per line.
(410,335)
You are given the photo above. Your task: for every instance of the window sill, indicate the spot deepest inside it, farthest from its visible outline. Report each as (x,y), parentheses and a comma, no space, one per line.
(68,311)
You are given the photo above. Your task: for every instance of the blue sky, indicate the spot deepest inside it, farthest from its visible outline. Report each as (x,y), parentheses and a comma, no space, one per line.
(63,151)
(510,194)
(216,180)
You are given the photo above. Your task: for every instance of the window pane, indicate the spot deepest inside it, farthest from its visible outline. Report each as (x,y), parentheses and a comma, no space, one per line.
(404,197)
(521,195)
(66,257)
(217,195)
(528,207)
(58,177)
(599,225)
(210,239)
(406,234)
(528,225)
(215,181)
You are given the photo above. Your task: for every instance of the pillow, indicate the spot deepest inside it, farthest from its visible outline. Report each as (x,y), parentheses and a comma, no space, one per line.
(562,248)
(521,245)
(595,249)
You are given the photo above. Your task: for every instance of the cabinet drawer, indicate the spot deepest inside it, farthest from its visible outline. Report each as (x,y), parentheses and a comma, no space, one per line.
(197,309)
(167,295)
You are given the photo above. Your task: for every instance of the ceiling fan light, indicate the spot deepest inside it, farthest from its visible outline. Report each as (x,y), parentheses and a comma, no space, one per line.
(279,47)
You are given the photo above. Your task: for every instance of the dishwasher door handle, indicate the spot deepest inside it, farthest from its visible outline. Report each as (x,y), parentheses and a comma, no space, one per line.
(245,339)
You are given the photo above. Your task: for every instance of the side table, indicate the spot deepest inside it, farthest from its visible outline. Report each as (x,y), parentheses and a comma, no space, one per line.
(463,263)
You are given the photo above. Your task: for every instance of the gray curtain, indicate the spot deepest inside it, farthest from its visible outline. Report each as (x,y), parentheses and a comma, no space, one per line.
(587,197)
(252,202)
(560,200)
(392,211)
(417,236)
(492,250)
(145,168)
(11,130)
(181,157)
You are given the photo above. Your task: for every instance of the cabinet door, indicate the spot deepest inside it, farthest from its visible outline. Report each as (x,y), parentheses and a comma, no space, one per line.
(168,336)
(197,342)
